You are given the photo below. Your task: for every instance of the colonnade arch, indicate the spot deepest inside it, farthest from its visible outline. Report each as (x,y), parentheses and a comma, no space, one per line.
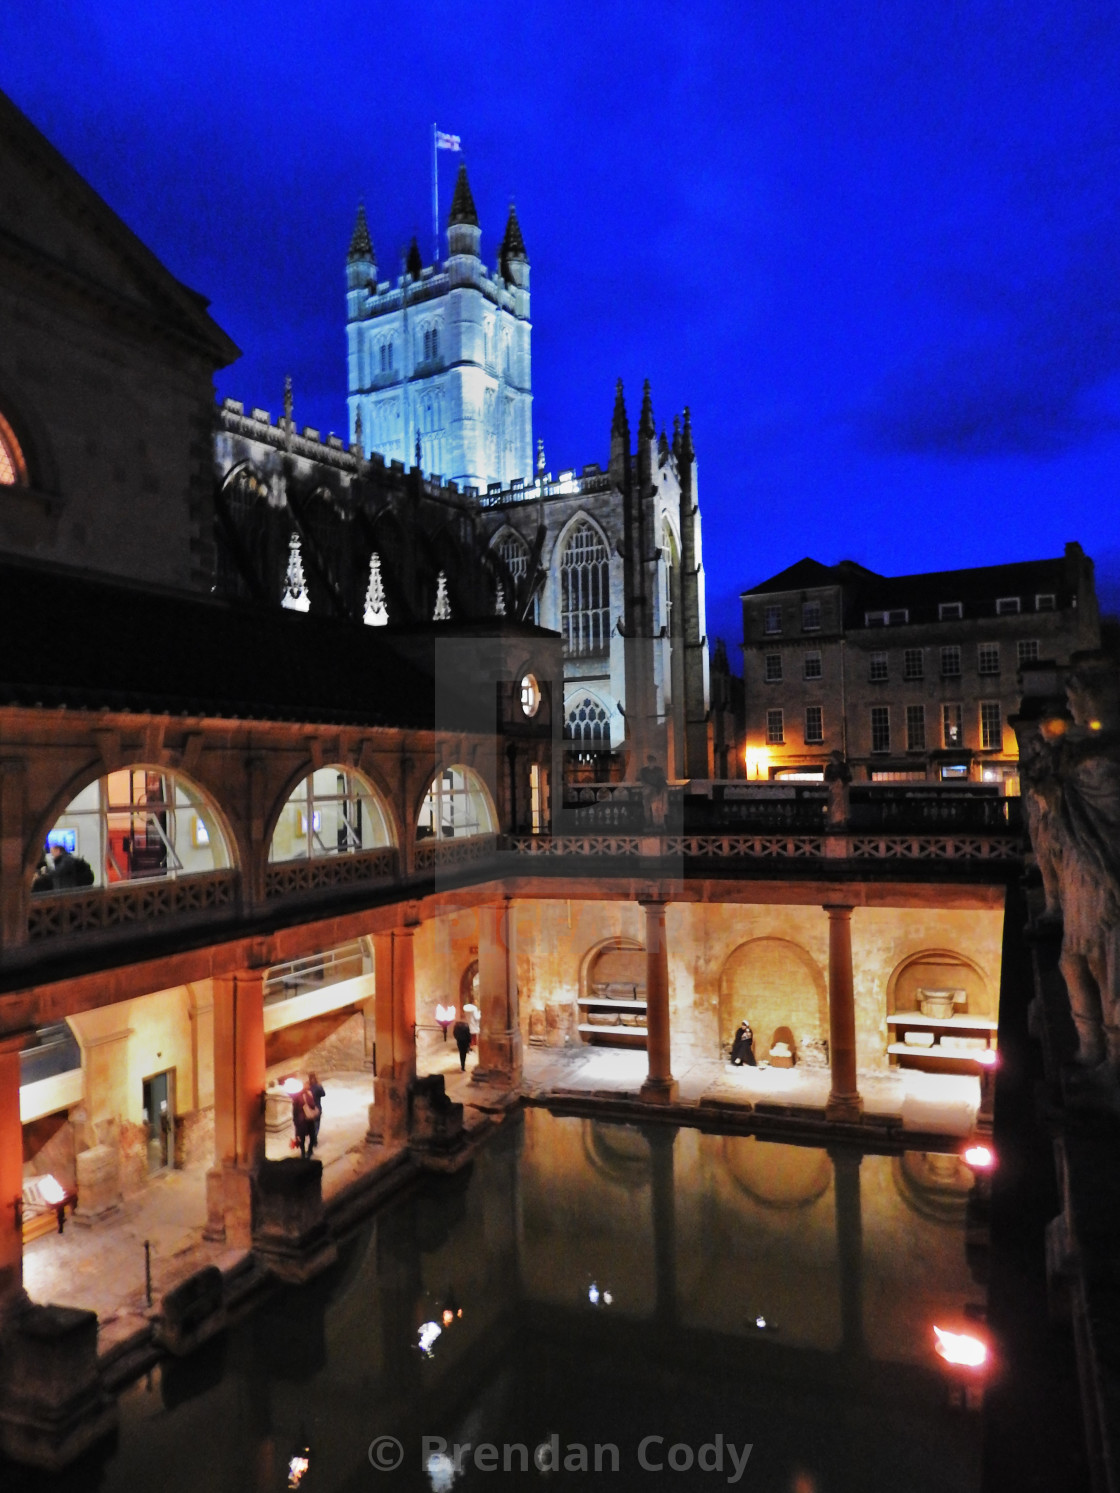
(332,810)
(779,988)
(456,805)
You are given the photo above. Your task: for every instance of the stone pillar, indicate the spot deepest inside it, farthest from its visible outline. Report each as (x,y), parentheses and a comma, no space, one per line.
(663,1199)
(499,1039)
(849,1245)
(239,1109)
(844,1102)
(660,1086)
(395,1005)
(11,1176)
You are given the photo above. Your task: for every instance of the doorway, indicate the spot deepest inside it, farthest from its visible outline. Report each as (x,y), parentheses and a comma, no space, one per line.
(159,1121)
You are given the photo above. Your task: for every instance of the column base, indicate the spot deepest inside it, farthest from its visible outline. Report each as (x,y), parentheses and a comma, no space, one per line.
(388,1114)
(499,1058)
(844,1108)
(229,1206)
(660,1091)
(291,1236)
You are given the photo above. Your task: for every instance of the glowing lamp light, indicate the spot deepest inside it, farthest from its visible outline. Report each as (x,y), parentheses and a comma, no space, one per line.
(980,1158)
(960,1349)
(52,1192)
(445,1015)
(427,1336)
(758,762)
(298,1468)
(988,1058)
(292,1087)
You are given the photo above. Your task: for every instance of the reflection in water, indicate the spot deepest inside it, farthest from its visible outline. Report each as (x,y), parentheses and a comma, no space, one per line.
(779,1297)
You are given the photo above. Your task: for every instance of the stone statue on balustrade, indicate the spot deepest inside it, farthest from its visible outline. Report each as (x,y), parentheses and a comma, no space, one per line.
(655,794)
(838,776)
(1075,777)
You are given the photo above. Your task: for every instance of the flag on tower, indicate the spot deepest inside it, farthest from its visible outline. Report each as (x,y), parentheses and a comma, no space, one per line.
(447,142)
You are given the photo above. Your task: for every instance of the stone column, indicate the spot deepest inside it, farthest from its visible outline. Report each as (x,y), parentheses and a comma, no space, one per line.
(660,1086)
(239,1118)
(395,1004)
(849,1245)
(499,1040)
(844,1102)
(11,1176)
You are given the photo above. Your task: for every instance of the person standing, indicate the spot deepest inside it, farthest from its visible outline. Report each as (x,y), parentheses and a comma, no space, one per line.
(742,1046)
(317,1092)
(299,1119)
(462,1034)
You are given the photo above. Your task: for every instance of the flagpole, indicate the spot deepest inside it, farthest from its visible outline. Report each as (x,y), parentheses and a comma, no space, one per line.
(435,196)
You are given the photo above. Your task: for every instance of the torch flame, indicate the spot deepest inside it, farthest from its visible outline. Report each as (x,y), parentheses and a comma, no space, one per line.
(980,1157)
(961,1348)
(51,1191)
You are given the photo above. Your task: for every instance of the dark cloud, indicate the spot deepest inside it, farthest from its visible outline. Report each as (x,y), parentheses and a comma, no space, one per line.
(1032,383)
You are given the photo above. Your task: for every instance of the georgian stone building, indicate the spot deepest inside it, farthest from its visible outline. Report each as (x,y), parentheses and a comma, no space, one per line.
(912,677)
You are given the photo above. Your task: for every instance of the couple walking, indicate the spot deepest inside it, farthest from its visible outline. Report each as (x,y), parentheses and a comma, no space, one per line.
(307,1112)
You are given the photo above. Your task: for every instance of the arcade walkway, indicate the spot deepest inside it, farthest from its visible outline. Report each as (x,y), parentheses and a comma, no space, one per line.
(102,1268)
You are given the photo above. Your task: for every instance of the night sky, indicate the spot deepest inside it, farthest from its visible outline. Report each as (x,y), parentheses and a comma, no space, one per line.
(876,247)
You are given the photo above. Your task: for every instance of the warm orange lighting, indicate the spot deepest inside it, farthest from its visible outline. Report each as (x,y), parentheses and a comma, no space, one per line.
(980,1158)
(293,1086)
(448,1316)
(988,1058)
(758,762)
(1094,725)
(445,1013)
(961,1349)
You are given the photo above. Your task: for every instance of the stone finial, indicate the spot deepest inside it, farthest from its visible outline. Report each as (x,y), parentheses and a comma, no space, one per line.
(463,210)
(646,427)
(540,456)
(663,447)
(687,453)
(419,452)
(358,430)
(620,425)
(442,612)
(361,245)
(295,597)
(414,264)
(513,245)
(288,402)
(500,601)
(376,612)
(677,436)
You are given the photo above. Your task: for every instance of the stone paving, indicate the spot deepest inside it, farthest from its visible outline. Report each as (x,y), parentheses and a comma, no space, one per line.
(101,1267)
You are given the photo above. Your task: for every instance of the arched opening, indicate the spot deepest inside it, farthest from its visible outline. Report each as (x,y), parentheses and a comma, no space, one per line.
(456,807)
(780,989)
(585,624)
(138,823)
(612,994)
(334,811)
(13,467)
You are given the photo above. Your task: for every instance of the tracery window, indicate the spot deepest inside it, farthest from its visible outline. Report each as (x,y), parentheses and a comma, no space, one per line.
(585,592)
(13,468)
(455,808)
(332,812)
(588,721)
(135,824)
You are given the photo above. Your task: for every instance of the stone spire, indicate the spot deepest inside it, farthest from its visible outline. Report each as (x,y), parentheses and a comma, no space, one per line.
(414,264)
(620,435)
(687,453)
(512,258)
(361,245)
(442,612)
(295,597)
(463,210)
(677,436)
(647,430)
(376,612)
(463,235)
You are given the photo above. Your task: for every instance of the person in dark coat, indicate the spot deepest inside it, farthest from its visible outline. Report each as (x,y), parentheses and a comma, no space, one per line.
(317,1091)
(300,1122)
(462,1034)
(742,1047)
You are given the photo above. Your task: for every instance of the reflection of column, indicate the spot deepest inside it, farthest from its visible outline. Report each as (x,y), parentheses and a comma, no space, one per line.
(660,1087)
(395,997)
(239,1084)
(11,1175)
(844,1102)
(849,1245)
(499,1040)
(662,1142)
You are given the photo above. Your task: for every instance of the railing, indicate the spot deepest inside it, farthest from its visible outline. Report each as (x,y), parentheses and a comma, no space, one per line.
(602,806)
(433,855)
(128,903)
(360,868)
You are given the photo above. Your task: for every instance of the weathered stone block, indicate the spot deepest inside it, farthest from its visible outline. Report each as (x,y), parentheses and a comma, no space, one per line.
(436,1121)
(193,1312)
(388,1114)
(229,1206)
(289,1227)
(99,1182)
(53,1405)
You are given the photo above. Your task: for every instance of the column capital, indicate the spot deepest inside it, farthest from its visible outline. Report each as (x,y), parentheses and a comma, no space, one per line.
(839,909)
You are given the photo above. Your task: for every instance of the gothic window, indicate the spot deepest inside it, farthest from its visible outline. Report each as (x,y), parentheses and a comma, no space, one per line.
(588,722)
(13,469)
(456,807)
(136,823)
(332,812)
(585,592)
(515,552)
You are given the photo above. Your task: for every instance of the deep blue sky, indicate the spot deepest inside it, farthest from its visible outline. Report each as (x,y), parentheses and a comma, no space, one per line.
(876,247)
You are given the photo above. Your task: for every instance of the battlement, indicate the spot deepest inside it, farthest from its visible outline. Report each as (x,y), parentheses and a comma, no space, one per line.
(435,280)
(258,426)
(567,484)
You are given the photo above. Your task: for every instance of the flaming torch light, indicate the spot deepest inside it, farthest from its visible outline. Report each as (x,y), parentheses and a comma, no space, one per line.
(445,1015)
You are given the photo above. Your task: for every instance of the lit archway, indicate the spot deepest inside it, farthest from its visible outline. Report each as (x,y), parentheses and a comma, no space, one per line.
(138,823)
(333,811)
(456,807)
(13,467)
(781,990)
